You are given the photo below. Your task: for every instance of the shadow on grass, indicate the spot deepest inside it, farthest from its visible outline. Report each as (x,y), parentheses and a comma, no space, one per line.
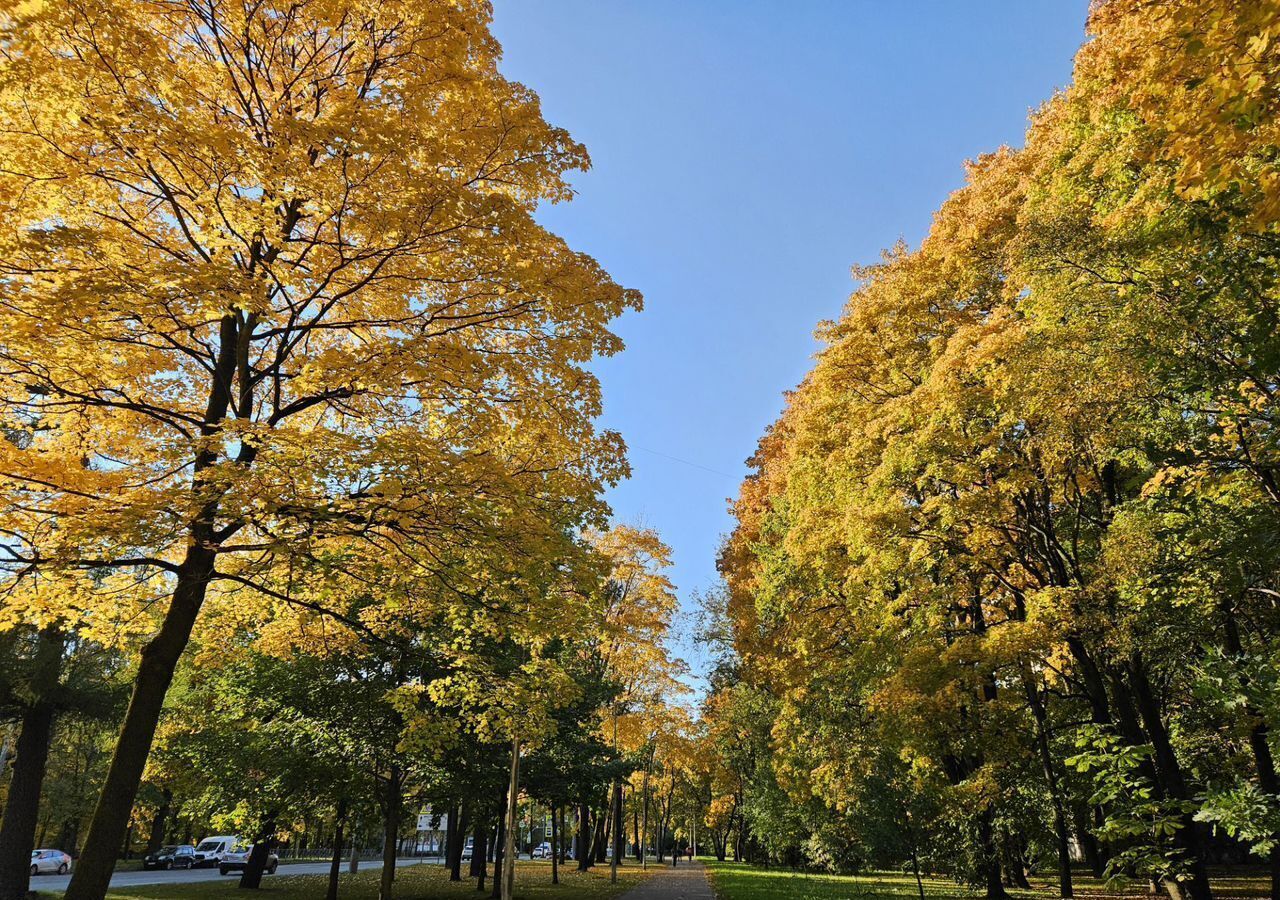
(422,882)
(741,881)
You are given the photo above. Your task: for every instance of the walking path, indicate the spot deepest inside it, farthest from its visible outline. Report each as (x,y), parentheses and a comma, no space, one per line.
(687,881)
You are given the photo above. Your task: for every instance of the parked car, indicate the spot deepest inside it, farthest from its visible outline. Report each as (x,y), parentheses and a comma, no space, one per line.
(238,858)
(175,856)
(542,851)
(209,852)
(50,861)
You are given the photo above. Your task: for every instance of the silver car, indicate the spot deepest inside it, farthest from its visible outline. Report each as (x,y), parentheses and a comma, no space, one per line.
(238,860)
(49,862)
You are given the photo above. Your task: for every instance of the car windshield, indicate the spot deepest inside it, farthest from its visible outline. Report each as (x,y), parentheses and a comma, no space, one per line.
(209,845)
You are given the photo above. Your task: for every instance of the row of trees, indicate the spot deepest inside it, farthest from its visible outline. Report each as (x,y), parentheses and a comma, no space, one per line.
(301,482)
(1002,589)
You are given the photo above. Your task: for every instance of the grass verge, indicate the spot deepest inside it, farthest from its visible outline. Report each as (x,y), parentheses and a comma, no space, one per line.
(742,881)
(420,882)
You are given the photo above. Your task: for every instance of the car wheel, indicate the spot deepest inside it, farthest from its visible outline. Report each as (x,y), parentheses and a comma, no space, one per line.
(168,865)
(272,869)
(62,869)
(223,870)
(35,870)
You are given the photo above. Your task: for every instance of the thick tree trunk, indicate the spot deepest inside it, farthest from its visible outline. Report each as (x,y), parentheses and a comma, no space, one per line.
(156,840)
(335,865)
(391,833)
(990,857)
(460,840)
(22,809)
(480,855)
(1080,813)
(452,836)
(582,841)
(158,661)
(600,840)
(256,864)
(480,848)
(1188,837)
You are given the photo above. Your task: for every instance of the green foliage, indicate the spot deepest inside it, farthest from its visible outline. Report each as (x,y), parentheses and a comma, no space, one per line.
(1245,813)
(1139,820)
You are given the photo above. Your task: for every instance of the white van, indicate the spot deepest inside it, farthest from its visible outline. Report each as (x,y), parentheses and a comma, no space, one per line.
(211,850)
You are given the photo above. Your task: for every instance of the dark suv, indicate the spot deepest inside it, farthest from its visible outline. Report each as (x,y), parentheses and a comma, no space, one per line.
(177,856)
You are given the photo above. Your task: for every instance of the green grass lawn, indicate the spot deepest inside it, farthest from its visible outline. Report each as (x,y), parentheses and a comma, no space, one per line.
(420,882)
(741,881)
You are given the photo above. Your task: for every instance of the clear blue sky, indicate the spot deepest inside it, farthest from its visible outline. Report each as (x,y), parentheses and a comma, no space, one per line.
(746,153)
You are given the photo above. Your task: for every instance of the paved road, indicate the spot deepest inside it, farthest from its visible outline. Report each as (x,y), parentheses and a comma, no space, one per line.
(182,876)
(687,881)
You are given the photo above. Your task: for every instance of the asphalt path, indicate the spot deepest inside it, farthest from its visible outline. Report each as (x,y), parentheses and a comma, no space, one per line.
(185,876)
(687,881)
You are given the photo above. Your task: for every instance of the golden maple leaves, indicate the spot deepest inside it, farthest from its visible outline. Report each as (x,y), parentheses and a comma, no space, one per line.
(1086,332)
(272,290)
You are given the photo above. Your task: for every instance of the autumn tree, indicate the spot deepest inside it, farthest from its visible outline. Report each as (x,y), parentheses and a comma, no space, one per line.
(270,275)
(998,505)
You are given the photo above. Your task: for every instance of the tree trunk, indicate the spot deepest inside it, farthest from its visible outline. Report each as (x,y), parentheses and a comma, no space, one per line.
(391,835)
(513,800)
(555,846)
(460,841)
(644,822)
(600,839)
(22,809)
(1081,813)
(1188,837)
(635,823)
(1061,833)
(452,837)
(618,848)
(990,856)
(156,666)
(1259,741)
(499,841)
(480,854)
(156,840)
(251,878)
(335,866)
(480,850)
(582,840)
(915,862)
(563,843)
(666,820)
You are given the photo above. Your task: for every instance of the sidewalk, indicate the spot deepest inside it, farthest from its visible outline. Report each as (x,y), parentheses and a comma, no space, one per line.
(688,881)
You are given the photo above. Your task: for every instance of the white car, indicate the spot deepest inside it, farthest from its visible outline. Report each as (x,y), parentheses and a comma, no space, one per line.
(211,850)
(542,851)
(50,861)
